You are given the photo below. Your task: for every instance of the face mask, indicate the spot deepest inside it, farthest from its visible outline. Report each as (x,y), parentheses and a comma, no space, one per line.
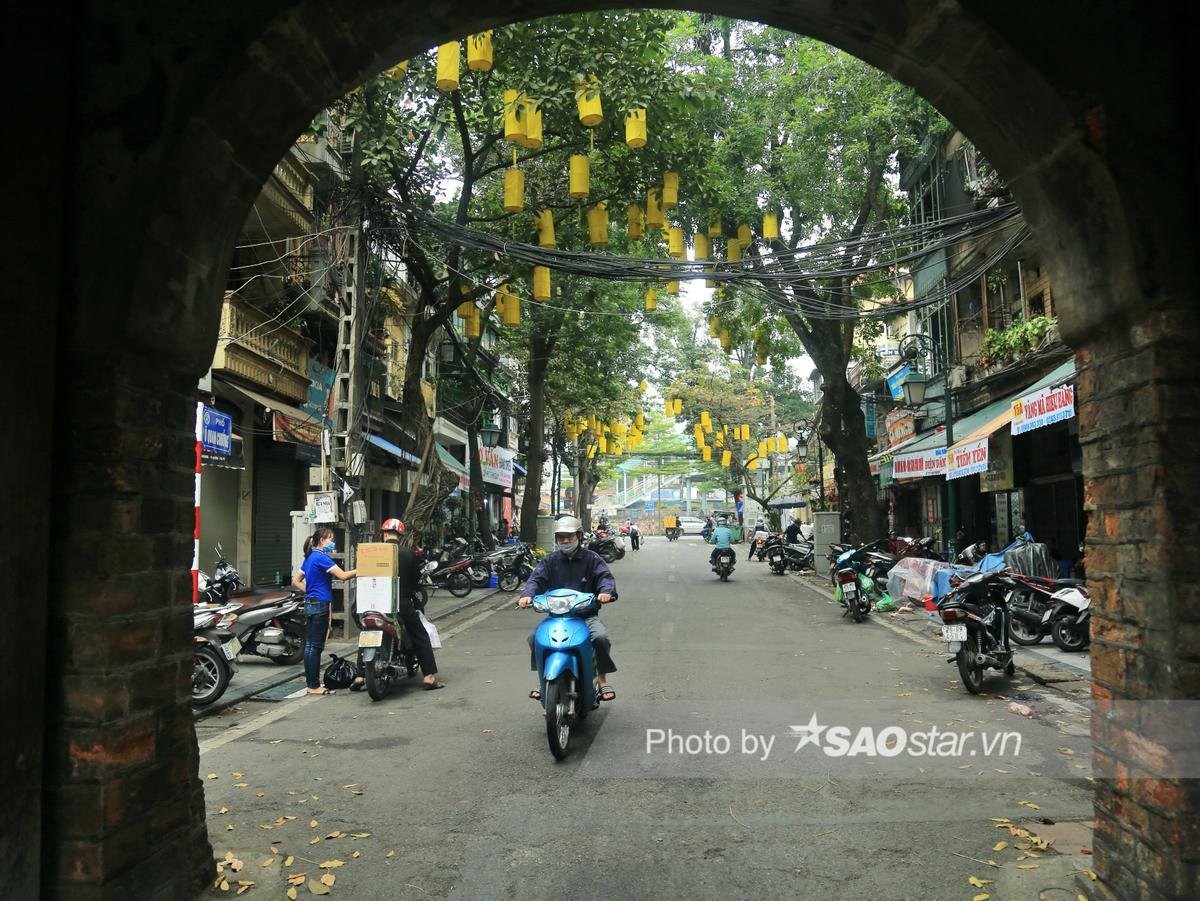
(570,548)
(329,547)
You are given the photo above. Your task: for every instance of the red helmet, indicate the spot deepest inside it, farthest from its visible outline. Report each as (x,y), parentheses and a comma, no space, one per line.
(392,525)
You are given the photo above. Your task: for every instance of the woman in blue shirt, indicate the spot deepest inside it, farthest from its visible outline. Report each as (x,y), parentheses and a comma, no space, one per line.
(315,579)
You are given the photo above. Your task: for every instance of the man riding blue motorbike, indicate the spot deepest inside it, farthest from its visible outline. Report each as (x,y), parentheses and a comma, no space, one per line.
(575,567)
(722,538)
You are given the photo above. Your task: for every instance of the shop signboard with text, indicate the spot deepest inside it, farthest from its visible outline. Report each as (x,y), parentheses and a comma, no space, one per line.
(967,459)
(497,465)
(901,426)
(1042,408)
(919,464)
(999,473)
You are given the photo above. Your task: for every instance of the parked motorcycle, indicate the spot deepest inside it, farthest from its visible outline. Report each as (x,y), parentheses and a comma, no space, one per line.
(1070,618)
(975,626)
(610,547)
(226,585)
(454,576)
(1029,600)
(272,626)
(566,663)
(387,653)
(516,567)
(723,566)
(782,557)
(855,593)
(214,655)
(758,546)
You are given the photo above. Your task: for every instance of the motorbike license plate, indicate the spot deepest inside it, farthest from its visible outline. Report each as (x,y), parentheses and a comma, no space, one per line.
(370,639)
(849,589)
(954,633)
(230,648)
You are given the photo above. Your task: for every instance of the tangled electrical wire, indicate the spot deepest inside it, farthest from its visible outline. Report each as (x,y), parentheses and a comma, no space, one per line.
(786,279)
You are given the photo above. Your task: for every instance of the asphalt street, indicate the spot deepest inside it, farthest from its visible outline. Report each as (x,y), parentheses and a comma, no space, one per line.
(454,793)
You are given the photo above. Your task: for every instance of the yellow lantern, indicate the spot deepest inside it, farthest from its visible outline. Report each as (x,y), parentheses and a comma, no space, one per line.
(752,463)
(654,216)
(591,451)
(770,229)
(770,444)
(714,224)
(448,59)
(762,448)
(514,190)
(635,128)
(719,439)
(602,442)
(714,327)
(668,408)
(473,324)
(514,125)
(673,288)
(724,339)
(678,405)
(733,249)
(675,242)
(545,228)
(706,453)
(703,247)
(744,235)
(541,283)
(399,71)
(634,228)
(639,421)
(531,121)
(479,51)
(587,99)
(508,304)
(726,458)
(466,305)
(670,191)
(698,433)
(651,299)
(597,219)
(705,421)
(579,176)
(745,431)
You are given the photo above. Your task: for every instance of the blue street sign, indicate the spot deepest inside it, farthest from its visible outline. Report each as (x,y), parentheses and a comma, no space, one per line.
(217,433)
(895,381)
(649,508)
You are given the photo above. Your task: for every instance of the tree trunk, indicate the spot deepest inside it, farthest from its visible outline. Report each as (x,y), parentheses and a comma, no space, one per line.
(843,429)
(535,438)
(483,523)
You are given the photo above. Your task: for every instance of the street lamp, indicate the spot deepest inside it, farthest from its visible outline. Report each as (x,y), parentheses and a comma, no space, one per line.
(489,434)
(912,348)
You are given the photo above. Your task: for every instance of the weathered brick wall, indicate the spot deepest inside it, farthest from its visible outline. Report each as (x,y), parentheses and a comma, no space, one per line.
(122,795)
(1139,423)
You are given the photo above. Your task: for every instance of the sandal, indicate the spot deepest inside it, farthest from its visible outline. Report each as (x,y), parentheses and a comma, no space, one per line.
(608,693)
(535,695)
(433,686)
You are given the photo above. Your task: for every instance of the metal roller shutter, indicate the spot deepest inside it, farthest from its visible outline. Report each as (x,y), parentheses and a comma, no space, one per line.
(277,492)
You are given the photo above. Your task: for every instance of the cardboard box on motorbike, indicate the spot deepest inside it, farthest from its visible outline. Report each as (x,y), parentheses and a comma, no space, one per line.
(378,559)
(378,593)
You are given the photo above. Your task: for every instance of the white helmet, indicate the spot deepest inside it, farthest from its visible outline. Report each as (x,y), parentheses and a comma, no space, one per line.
(567,524)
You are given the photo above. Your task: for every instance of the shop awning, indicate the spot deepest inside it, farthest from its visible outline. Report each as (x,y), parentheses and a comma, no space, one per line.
(290,423)
(447,458)
(397,452)
(518,468)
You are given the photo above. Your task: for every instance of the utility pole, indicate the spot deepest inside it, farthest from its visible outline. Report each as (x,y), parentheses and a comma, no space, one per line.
(346,451)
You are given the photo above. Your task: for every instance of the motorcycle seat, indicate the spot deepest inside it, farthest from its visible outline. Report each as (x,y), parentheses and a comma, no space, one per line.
(1068,583)
(251,599)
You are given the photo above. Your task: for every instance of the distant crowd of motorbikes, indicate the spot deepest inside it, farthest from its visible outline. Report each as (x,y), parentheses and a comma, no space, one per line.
(232,619)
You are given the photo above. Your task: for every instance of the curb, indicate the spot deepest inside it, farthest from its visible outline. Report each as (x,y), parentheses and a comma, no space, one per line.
(266,684)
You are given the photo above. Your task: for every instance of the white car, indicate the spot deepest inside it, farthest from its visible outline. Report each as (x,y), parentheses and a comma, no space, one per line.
(691,525)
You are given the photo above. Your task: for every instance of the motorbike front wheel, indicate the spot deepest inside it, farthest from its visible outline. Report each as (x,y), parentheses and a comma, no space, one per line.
(378,672)
(210,675)
(559,714)
(1067,636)
(459,584)
(480,576)
(969,667)
(510,581)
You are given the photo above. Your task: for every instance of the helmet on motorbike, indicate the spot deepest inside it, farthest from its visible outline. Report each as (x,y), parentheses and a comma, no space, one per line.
(392,525)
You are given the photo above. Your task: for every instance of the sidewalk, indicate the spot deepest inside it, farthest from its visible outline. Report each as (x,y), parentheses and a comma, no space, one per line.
(1043,662)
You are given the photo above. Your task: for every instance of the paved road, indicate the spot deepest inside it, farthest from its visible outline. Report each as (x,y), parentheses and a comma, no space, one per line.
(460,785)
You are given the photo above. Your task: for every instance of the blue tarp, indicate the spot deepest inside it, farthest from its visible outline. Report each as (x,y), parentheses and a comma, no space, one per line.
(941,579)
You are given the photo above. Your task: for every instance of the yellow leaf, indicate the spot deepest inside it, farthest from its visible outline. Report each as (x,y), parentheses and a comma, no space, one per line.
(487,731)
(296,878)
(351,785)
(1027,866)
(328,879)
(275,742)
(241,785)
(980,883)
(312,825)
(316,888)
(291,892)
(288,862)
(982,896)
(332,864)
(393,854)
(993,863)
(237,775)
(1091,874)
(355,854)
(1030,805)
(223,811)
(224,886)
(260,794)
(1001,820)
(229,828)
(999,846)
(213,776)
(316,841)
(355,792)
(338,834)
(268,862)
(362,834)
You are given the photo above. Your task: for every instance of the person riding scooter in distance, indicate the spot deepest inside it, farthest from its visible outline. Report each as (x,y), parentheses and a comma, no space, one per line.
(572,566)
(722,537)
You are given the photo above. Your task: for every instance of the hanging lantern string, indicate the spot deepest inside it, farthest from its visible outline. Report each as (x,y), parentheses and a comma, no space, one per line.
(754,275)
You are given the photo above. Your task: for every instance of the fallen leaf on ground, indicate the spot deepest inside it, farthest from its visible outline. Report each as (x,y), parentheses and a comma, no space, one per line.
(328,879)
(296,878)
(213,776)
(289,861)
(1001,820)
(224,885)
(275,742)
(268,862)
(332,864)
(999,846)
(487,731)
(260,794)
(1091,874)
(361,834)
(229,828)
(244,885)
(1030,805)
(237,775)
(316,841)
(316,888)
(291,893)
(351,785)
(241,785)
(355,792)
(980,883)
(1027,866)
(338,834)
(393,854)
(355,854)
(312,825)
(223,811)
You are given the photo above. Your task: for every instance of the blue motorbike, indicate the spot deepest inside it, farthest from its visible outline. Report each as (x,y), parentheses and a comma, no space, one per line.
(566,663)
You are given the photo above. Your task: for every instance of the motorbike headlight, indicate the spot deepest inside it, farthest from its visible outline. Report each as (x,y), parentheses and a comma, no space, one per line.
(540,604)
(560,605)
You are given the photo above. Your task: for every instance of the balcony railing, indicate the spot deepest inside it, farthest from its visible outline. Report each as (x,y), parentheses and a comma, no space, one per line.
(260,349)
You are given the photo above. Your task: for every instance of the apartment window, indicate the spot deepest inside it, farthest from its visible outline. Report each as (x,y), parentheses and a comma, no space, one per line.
(1037,305)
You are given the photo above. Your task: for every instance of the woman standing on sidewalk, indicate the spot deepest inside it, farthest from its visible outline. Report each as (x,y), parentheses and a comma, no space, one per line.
(315,579)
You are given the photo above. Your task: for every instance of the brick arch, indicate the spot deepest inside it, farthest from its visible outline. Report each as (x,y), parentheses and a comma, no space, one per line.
(178,115)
